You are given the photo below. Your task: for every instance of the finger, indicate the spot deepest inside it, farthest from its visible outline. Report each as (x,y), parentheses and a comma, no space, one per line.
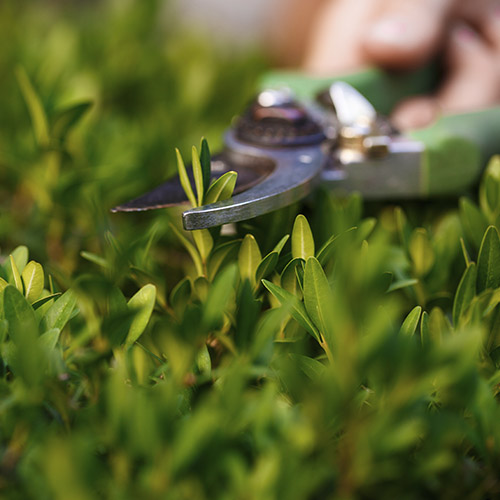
(406,34)
(474,76)
(415,112)
(336,40)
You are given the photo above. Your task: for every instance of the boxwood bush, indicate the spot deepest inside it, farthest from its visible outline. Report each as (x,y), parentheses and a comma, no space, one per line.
(333,349)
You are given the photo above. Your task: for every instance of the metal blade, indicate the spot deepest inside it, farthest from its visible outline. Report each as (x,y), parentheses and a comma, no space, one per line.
(250,169)
(295,173)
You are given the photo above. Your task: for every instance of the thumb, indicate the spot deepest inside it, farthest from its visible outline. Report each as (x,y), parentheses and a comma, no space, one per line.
(407,34)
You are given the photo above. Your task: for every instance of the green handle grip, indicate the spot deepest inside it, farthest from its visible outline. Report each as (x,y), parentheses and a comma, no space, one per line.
(456,146)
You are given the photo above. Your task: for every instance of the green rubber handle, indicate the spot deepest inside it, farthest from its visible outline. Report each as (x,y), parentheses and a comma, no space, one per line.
(456,146)
(384,90)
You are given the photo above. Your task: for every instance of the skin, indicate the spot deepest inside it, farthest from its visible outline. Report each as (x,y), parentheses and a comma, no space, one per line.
(345,35)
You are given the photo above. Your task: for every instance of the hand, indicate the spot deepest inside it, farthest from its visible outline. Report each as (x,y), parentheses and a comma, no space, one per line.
(402,34)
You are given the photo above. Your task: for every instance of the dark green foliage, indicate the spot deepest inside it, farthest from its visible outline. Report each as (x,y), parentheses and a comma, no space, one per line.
(329,355)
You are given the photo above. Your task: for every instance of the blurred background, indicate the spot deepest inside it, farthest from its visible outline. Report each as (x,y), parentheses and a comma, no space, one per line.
(95,95)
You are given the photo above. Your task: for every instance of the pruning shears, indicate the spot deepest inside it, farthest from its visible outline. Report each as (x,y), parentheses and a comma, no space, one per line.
(301,131)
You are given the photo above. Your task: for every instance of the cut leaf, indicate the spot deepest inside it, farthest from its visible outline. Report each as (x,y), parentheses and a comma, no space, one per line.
(33,280)
(142,304)
(183,176)
(221,189)
(302,239)
(488,263)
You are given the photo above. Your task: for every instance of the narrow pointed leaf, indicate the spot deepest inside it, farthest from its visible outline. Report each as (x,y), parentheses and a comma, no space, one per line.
(20,316)
(409,326)
(142,304)
(488,263)
(49,338)
(297,309)
(266,266)
(466,291)
(198,175)
(473,221)
(221,189)
(318,298)
(16,277)
(60,311)
(421,252)
(289,277)
(206,165)
(190,248)
(281,243)
(183,177)
(204,242)
(37,113)
(302,239)
(40,302)
(33,280)
(249,258)
(3,284)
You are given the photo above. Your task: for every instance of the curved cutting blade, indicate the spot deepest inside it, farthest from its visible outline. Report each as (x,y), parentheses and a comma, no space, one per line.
(250,169)
(296,171)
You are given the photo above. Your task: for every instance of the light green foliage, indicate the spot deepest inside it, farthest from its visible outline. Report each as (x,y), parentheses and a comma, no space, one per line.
(155,363)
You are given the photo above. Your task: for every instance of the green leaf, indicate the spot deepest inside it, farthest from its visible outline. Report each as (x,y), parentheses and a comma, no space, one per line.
(473,221)
(439,325)
(488,263)
(204,242)
(218,296)
(400,284)
(266,266)
(206,164)
(181,295)
(219,254)
(37,113)
(33,280)
(289,278)
(20,256)
(465,253)
(190,248)
(17,281)
(68,117)
(489,193)
(3,284)
(326,251)
(49,338)
(297,309)
(60,311)
(142,304)
(183,176)
(421,252)
(222,188)
(466,291)
(425,335)
(409,326)
(95,259)
(281,243)
(198,175)
(318,298)
(313,368)
(20,316)
(302,239)
(203,361)
(249,258)
(4,327)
